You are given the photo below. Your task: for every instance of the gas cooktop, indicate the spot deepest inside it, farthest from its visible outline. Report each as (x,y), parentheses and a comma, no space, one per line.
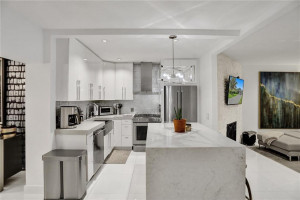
(146,118)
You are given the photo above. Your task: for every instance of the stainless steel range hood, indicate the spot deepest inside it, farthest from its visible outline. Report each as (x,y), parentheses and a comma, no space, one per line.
(146,77)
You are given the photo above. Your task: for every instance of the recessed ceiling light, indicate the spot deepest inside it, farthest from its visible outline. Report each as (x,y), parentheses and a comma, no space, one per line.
(85,59)
(119,59)
(104,41)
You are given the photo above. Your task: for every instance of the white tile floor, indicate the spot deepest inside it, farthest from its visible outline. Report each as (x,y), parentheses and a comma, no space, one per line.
(269,181)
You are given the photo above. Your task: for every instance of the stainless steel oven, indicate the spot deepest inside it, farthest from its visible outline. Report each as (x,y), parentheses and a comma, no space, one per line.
(140,133)
(140,129)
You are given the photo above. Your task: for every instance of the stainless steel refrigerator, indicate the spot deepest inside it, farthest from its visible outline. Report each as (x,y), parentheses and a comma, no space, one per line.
(184,97)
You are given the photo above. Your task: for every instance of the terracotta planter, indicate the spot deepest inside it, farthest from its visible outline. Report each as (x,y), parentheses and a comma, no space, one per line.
(179,125)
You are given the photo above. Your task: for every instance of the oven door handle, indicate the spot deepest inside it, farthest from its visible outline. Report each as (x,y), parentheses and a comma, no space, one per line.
(140,124)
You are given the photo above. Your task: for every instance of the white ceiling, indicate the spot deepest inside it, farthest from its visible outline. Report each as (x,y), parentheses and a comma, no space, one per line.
(216,15)
(142,14)
(146,48)
(277,43)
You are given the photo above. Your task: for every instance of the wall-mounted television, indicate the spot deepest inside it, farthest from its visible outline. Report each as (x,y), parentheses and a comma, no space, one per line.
(235,90)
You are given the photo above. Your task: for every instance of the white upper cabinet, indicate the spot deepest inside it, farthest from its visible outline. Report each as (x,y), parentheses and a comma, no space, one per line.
(108,80)
(81,75)
(124,81)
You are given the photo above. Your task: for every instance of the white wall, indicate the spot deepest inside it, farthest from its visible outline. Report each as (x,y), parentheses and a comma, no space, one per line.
(20,39)
(207,91)
(39,138)
(23,41)
(228,113)
(251,91)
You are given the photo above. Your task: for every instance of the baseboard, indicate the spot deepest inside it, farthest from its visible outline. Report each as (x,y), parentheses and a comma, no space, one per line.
(123,148)
(34,189)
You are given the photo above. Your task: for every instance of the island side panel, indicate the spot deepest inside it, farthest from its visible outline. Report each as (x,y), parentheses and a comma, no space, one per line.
(195,173)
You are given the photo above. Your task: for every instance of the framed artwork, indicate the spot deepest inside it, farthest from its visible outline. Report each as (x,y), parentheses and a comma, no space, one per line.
(279,100)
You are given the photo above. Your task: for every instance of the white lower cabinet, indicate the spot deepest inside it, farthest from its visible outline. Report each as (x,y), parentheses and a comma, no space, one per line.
(127,140)
(126,133)
(126,129)
(106,146)
(90,155)
(118,133)
(108,143)
(123,133)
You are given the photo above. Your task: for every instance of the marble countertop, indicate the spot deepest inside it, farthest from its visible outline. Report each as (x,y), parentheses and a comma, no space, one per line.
(162,135)
(85,127)
(113,117)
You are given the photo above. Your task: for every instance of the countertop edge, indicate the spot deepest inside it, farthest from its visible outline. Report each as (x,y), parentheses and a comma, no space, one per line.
(79,132)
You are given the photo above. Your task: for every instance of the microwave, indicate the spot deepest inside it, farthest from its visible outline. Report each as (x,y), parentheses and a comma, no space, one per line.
(106,110)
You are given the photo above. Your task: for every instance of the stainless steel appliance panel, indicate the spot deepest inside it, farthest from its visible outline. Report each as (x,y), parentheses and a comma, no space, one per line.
(140,133)
(188,100)
(184,97)
(65,174)
(69,116)
(98,149)
(106,110)
(171,100)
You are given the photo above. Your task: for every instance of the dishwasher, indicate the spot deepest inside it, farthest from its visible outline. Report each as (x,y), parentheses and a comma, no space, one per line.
(108,138)
(98,137)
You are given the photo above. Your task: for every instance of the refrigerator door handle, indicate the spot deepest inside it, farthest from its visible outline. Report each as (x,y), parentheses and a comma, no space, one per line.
(181,99)
(177,99)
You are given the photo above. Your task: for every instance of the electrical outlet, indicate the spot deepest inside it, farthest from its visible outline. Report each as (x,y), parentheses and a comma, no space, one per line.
(207,116)
(132,109)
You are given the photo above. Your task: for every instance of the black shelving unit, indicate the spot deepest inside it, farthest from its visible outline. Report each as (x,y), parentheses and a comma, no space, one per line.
(14,99)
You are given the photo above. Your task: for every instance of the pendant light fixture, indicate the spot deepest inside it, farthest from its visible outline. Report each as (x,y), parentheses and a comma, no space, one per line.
(173,37)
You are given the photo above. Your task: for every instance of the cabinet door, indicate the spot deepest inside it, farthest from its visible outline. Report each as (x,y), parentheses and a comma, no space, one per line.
(108,78)
(126,129)
(119,88)
(118,133)
(112,139)
(124,81)
(128,81)
(105,146)
(99,82)
(126,141)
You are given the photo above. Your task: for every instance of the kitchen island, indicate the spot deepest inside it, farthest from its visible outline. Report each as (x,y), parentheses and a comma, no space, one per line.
(201,164)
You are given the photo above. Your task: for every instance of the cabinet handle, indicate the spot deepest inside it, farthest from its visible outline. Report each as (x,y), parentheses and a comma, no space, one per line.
(125,92)
(91,91)
(99,88)
(104,93)
(78,90)
(122,92)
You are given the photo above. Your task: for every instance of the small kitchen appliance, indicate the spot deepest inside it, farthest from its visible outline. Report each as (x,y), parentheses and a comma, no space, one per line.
(117,107)
(106,110)
(69,116)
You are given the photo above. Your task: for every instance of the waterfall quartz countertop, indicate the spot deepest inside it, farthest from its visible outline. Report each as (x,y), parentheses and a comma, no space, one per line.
(84,128)
(201,164)
(113,117)
(163,136)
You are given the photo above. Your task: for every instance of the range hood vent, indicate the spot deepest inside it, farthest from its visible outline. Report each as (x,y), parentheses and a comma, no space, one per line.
(146,77)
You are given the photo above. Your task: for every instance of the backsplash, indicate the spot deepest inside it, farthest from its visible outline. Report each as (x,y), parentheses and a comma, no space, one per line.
(142,103)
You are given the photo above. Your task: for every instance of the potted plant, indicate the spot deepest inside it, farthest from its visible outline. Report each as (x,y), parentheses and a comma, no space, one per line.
(179,123)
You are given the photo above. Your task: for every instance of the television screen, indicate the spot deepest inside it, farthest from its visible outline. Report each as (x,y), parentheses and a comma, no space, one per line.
(235,91)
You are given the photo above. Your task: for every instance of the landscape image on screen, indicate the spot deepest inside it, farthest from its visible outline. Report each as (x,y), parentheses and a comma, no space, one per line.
(235,90)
